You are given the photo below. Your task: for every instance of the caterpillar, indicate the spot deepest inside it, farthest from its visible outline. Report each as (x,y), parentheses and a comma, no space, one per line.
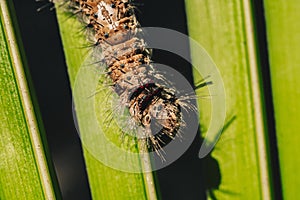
(151,99)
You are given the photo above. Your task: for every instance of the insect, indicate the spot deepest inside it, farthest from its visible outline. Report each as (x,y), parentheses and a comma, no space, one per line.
(151,99)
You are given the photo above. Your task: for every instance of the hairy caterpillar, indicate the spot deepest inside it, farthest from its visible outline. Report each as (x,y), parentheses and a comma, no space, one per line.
(152,100)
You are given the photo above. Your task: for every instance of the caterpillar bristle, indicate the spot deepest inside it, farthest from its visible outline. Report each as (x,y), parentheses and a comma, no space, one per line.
(48,4)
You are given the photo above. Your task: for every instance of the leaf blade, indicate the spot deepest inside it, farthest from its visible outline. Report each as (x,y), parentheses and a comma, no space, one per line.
(24,169)
(282,26)
(225,30)
(105,182)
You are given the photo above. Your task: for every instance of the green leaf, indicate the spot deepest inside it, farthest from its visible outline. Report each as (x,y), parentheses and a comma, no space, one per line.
(102,152)
(283,35)
(225,30)
(24,172)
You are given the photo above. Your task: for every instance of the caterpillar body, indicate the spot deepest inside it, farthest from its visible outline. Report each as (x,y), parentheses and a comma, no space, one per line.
(152,100)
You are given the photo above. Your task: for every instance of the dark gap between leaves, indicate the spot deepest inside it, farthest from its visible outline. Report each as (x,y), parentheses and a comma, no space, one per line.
(263,55)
